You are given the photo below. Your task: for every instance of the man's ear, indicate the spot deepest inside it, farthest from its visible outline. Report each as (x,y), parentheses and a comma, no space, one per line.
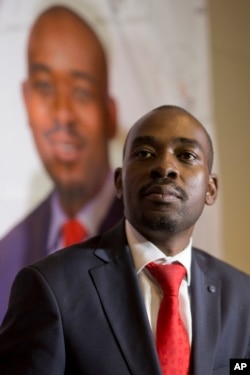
(25,90)
(212,189)
(118,182)
(26,93)
(112,117)
(27,96)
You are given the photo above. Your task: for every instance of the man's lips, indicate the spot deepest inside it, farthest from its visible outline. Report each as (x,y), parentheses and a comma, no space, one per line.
(163,193)
(64,139)
(66,148)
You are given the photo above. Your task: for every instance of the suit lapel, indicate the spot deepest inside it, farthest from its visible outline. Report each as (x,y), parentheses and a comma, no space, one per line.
(119,291)
(205,302)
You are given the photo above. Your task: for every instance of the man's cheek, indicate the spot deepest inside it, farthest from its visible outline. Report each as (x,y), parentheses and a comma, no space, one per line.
(40,117)
(37,107)
(196,186)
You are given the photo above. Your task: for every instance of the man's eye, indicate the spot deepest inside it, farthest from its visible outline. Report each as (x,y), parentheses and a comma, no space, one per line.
(44,87)
(144,154)
(187,156)
(82,93)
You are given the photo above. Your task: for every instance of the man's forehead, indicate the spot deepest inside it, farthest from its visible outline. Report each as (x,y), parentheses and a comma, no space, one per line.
(69,49)
(46,30)
(167,124)
(163,126)
(59,22)
(58,14)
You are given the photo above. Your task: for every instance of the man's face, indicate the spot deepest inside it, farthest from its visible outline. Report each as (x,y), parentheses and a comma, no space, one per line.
(70,114)
(165,180)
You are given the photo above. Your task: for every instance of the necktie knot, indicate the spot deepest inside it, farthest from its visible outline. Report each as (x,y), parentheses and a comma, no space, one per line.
(73,231)
(169,276)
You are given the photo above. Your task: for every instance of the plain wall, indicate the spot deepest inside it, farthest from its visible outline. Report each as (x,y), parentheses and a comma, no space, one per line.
(230,53)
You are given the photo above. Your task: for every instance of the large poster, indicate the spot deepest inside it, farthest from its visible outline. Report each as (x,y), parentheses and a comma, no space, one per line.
(158,53)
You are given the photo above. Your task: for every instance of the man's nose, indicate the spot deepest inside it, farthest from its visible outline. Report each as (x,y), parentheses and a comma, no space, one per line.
(62,108)
(165,166)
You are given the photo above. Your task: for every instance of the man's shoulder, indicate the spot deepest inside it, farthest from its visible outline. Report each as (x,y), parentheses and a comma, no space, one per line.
(106,246)
(216,267)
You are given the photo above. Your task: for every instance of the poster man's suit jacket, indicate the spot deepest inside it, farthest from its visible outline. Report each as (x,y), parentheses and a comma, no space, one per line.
(27,242)
(80,311)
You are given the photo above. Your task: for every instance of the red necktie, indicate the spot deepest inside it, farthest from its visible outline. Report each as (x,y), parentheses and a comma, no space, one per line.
(171,337)
(73,232)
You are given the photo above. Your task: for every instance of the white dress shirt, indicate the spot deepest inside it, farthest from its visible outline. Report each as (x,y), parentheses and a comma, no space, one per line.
(144,252)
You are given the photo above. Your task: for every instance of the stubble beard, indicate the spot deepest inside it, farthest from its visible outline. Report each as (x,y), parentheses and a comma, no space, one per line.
(161,222)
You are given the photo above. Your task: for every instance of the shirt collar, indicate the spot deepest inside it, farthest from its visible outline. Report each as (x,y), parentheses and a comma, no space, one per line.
(144,252)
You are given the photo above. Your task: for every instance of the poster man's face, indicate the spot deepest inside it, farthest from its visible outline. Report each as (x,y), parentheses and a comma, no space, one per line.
(70,114)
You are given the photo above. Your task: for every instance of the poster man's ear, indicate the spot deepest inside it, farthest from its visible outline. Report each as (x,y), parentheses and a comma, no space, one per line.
(25,90)
(27,97)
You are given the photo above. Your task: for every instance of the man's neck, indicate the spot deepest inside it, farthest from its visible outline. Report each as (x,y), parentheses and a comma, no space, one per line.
(74,199)
(169,243)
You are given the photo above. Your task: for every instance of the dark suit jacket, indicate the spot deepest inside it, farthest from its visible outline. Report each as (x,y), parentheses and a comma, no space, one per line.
(81,311)
(26,243)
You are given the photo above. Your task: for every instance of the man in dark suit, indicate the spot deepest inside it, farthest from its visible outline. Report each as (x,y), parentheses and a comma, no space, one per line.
(72,118)
(92,308)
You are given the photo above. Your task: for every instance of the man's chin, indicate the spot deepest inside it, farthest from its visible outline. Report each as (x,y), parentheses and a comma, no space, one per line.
(161,223)
(71,188)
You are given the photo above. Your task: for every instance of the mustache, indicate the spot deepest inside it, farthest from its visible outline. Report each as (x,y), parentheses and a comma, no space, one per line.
(66,129)
(165,181)
(57,127)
